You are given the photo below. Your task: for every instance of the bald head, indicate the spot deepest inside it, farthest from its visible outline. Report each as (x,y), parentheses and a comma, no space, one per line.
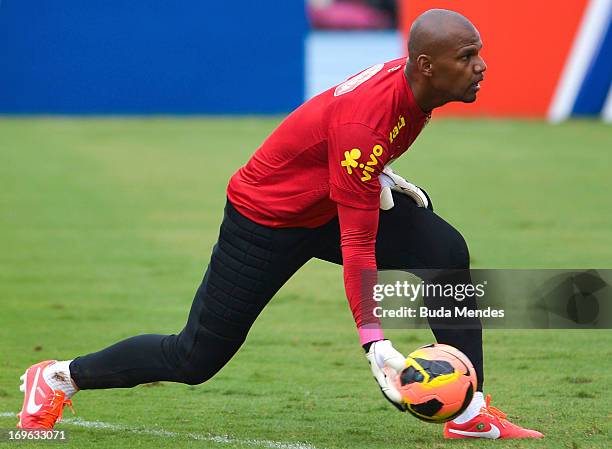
(444,62)
(438,30)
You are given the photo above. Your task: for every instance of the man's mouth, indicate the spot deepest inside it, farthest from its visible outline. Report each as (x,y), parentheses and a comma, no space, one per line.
(476,86)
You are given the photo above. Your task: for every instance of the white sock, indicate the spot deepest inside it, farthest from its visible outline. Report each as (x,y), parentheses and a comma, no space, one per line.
(472,410)
(58,377)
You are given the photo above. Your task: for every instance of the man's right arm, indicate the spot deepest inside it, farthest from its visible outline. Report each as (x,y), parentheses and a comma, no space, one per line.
(357,154)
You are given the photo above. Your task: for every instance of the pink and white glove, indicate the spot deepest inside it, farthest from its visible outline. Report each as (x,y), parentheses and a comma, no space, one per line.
(391,181)
(386,363)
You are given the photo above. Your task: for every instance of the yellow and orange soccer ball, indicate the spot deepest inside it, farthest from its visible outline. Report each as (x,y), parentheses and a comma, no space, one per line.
(437,383)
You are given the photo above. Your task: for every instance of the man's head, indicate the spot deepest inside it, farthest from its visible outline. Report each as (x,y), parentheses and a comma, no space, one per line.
(444,60)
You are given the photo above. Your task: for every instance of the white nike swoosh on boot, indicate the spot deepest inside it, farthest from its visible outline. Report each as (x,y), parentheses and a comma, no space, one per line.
(32,407)
(492,433)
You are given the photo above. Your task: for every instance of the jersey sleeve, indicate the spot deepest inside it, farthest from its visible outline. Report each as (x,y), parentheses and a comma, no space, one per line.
(357,155)
(358,228)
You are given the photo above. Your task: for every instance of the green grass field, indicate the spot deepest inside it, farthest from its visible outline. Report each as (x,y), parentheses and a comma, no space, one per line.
(106,227)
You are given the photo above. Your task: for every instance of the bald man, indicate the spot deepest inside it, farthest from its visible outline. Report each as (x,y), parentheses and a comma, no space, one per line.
(318,187)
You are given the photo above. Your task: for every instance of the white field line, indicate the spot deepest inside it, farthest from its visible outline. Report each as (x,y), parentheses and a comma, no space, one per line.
(220,439)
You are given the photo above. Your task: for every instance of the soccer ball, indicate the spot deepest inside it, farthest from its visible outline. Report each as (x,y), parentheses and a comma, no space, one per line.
(437,384)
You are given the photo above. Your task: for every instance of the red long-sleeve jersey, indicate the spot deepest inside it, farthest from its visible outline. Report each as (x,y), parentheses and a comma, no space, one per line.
(324,160)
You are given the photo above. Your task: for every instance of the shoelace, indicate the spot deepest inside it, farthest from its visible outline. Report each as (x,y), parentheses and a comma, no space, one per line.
(494,411)
(53,413)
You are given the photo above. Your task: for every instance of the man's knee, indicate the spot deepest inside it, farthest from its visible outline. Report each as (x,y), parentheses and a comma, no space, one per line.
(428,242)
(194,375)
(198,356)
(459,253)
(447,249)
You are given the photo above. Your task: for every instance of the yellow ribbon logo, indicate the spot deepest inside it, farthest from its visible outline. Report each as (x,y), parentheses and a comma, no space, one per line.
(350,160)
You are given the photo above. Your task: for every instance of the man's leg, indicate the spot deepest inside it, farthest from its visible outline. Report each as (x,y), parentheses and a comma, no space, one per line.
(416,238)
(413,238)
(248,265)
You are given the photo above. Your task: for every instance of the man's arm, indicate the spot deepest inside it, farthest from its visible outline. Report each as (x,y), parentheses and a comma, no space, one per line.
(358,229)
(357,155)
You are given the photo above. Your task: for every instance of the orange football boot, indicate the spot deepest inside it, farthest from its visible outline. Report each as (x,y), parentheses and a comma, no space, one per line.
(489,423)
(42,405)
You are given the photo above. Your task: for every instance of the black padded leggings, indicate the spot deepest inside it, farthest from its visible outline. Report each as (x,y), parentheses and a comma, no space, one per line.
(249,264)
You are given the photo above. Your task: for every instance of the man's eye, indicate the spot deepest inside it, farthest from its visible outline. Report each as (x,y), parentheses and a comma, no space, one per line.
(465,57)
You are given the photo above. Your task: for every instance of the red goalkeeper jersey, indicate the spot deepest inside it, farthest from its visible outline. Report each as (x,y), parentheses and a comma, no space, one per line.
(330,150)
(324,159)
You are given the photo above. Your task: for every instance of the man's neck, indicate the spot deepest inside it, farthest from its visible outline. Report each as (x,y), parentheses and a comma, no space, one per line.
(423,97)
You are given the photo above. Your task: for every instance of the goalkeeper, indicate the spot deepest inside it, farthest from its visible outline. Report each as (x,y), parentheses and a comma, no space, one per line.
(314,189)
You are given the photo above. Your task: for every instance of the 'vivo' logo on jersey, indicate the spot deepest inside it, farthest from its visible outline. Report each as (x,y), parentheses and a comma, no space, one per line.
(351,161)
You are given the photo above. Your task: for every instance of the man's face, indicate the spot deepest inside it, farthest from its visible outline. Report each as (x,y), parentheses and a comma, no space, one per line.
(457,69)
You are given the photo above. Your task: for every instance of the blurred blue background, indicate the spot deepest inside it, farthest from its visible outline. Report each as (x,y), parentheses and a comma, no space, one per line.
(151,56)
(238,56)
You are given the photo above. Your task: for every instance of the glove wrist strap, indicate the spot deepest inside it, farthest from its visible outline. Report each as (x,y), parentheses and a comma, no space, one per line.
(370,334)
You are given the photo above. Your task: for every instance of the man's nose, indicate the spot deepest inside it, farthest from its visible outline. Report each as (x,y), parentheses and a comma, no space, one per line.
(480,66)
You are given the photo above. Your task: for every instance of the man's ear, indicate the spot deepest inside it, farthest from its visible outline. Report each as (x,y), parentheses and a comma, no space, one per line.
(425,65)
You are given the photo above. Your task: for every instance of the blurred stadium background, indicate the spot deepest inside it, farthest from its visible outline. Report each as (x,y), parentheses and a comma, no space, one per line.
(242,57)
(121,124)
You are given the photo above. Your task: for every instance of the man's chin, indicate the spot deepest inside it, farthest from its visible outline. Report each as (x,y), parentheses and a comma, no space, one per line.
(466,98)
(469,98)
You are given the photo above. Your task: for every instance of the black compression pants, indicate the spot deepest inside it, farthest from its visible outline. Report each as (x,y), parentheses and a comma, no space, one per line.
(249,264)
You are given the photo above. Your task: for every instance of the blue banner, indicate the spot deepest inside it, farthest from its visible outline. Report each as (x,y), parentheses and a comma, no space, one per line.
(151,56)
